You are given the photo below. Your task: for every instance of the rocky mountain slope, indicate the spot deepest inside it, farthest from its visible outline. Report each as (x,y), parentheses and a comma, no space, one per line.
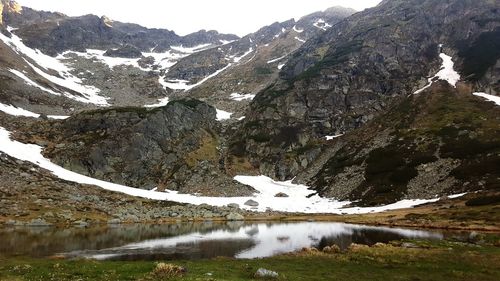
(441,141)
(252,62)
(352,73)
(338,100)
(175,147)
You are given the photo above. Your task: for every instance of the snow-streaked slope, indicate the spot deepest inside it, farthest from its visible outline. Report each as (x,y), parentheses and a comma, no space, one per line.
(89,94)
(32,83)
(333,137)
(276,59)
(190,50)
(300,199)
(16,111)
(492,98)
(183,84)
(446,73)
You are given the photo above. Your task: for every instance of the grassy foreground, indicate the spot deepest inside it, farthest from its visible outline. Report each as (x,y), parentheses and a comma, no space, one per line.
(422,261)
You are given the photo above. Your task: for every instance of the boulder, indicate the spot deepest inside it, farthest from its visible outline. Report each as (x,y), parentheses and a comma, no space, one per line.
(265,273)
(235,217)
(252,203)
(281,194)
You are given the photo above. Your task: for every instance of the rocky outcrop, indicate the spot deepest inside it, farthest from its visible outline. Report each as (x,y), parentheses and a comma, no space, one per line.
(352,72)
(127,51)
(174,147)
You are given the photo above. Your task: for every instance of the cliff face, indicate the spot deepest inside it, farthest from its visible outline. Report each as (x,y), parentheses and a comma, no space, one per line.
(345,77)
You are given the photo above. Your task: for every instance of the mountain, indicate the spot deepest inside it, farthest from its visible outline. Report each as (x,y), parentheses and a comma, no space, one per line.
(370,107)
(355,71)
(252,62)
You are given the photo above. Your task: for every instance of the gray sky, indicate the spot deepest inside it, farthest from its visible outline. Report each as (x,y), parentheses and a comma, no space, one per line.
(186,16)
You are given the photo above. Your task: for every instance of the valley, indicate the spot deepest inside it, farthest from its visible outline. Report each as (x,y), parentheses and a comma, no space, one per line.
(373,121)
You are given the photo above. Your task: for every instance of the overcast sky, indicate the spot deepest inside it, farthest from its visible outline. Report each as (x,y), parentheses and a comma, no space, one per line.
(186,16)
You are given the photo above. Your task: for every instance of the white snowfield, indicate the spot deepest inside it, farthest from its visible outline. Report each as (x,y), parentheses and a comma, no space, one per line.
(491,98)
(446,73)
(301,198)
(16,111)
(65,79)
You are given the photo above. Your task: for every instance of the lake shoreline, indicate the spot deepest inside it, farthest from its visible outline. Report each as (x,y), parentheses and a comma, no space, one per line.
(446,214)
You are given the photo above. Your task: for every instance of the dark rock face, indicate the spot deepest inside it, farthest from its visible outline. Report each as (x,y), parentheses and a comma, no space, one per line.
(344,77)
(442,141)
(127,51)
(173,147)
(54,33)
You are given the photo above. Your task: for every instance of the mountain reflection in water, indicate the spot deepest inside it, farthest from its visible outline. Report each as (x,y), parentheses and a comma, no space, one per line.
(195,240)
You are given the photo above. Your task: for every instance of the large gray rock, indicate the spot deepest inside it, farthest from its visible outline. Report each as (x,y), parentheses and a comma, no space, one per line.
(235,217)
(252,203)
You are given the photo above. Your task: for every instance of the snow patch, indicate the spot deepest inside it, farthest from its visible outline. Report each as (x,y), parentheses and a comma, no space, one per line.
(238,59)
(321,24)
(240,97)
(190,50)
(299,39)
(333,137)
(297,30)
(276,59)
(223,115)
(446,73)
(225,42)
(183,84)
(457,195)
(492,98)
(16,111)
(280,66)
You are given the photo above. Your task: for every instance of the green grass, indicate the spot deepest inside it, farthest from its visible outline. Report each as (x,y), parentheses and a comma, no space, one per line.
(433,261)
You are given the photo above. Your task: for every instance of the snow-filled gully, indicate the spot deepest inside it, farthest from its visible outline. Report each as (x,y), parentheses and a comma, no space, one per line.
(299,200)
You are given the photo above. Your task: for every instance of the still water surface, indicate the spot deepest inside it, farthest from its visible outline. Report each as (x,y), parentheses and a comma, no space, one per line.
(194,240)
